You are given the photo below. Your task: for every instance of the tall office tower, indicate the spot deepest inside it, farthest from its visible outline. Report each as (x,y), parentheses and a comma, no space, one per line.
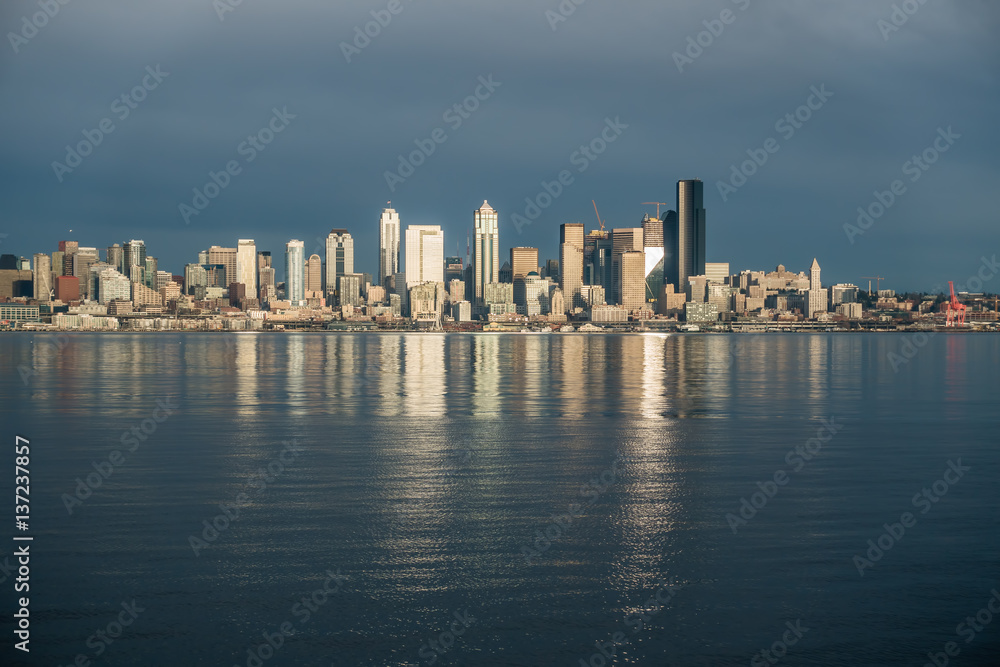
(263,260)
(624,239)
(597,259)
(571,263)
(314,274)
(194,276)
(68,249)
(149,272)
(486,258)
(684,234)
(453,269)
(203,257)
(295,271)
(83,259)
(817,300)
(246,265)
(133,255)
(268,289)
(339,257)
(8,262)
(388,245)
(42,277)
(652,241)
(226,257)
(632,264)
(551,269)
(523,261)
(113,256)
(814,281)
(424,255)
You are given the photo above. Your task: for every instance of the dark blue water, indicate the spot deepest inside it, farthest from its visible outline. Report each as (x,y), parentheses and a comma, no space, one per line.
(420,473)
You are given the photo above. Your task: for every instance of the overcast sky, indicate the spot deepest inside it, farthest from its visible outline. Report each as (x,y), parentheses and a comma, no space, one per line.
(888,92)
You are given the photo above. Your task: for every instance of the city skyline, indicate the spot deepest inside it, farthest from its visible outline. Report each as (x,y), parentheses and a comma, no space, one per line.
(705,121)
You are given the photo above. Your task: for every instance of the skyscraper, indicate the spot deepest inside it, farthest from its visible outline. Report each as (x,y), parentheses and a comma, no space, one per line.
(134,260)
(246,265)
(486,260)
(523,261)
(597,260)
(625,239)
(652,241)
(388,244)
(295,271)
(632,279)
(339,257)
(314,274)
(684,235)
(571,263)
(424,254)
(42,277)
(817,300)
(227,258)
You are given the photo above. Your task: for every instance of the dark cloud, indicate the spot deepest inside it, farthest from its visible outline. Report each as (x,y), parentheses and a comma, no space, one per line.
(606,60)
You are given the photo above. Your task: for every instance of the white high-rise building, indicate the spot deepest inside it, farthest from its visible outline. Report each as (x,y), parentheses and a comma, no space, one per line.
(295,260)
(388,243)
(339,257)
(42,277)
(424,254)
(486,257)
(246,265)
(816,300)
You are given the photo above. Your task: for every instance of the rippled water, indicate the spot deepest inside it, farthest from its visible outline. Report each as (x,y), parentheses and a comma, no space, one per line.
(427,470)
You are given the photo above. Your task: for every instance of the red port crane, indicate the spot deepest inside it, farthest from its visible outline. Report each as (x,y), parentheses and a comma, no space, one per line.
(956,310)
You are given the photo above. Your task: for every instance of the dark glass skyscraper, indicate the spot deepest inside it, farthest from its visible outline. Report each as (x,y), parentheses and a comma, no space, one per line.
(684,235)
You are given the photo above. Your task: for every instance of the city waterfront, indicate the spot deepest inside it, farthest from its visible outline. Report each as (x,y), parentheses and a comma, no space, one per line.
(405,499)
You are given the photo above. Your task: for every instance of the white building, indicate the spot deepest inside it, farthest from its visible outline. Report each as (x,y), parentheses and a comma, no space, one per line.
(246,265)
(295,268)
(388,243)
(486,255)
(424,255)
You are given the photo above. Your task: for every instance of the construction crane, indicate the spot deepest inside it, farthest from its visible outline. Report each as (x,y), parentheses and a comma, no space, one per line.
(956,310)
(658,205)
(598,214)
(878,282)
